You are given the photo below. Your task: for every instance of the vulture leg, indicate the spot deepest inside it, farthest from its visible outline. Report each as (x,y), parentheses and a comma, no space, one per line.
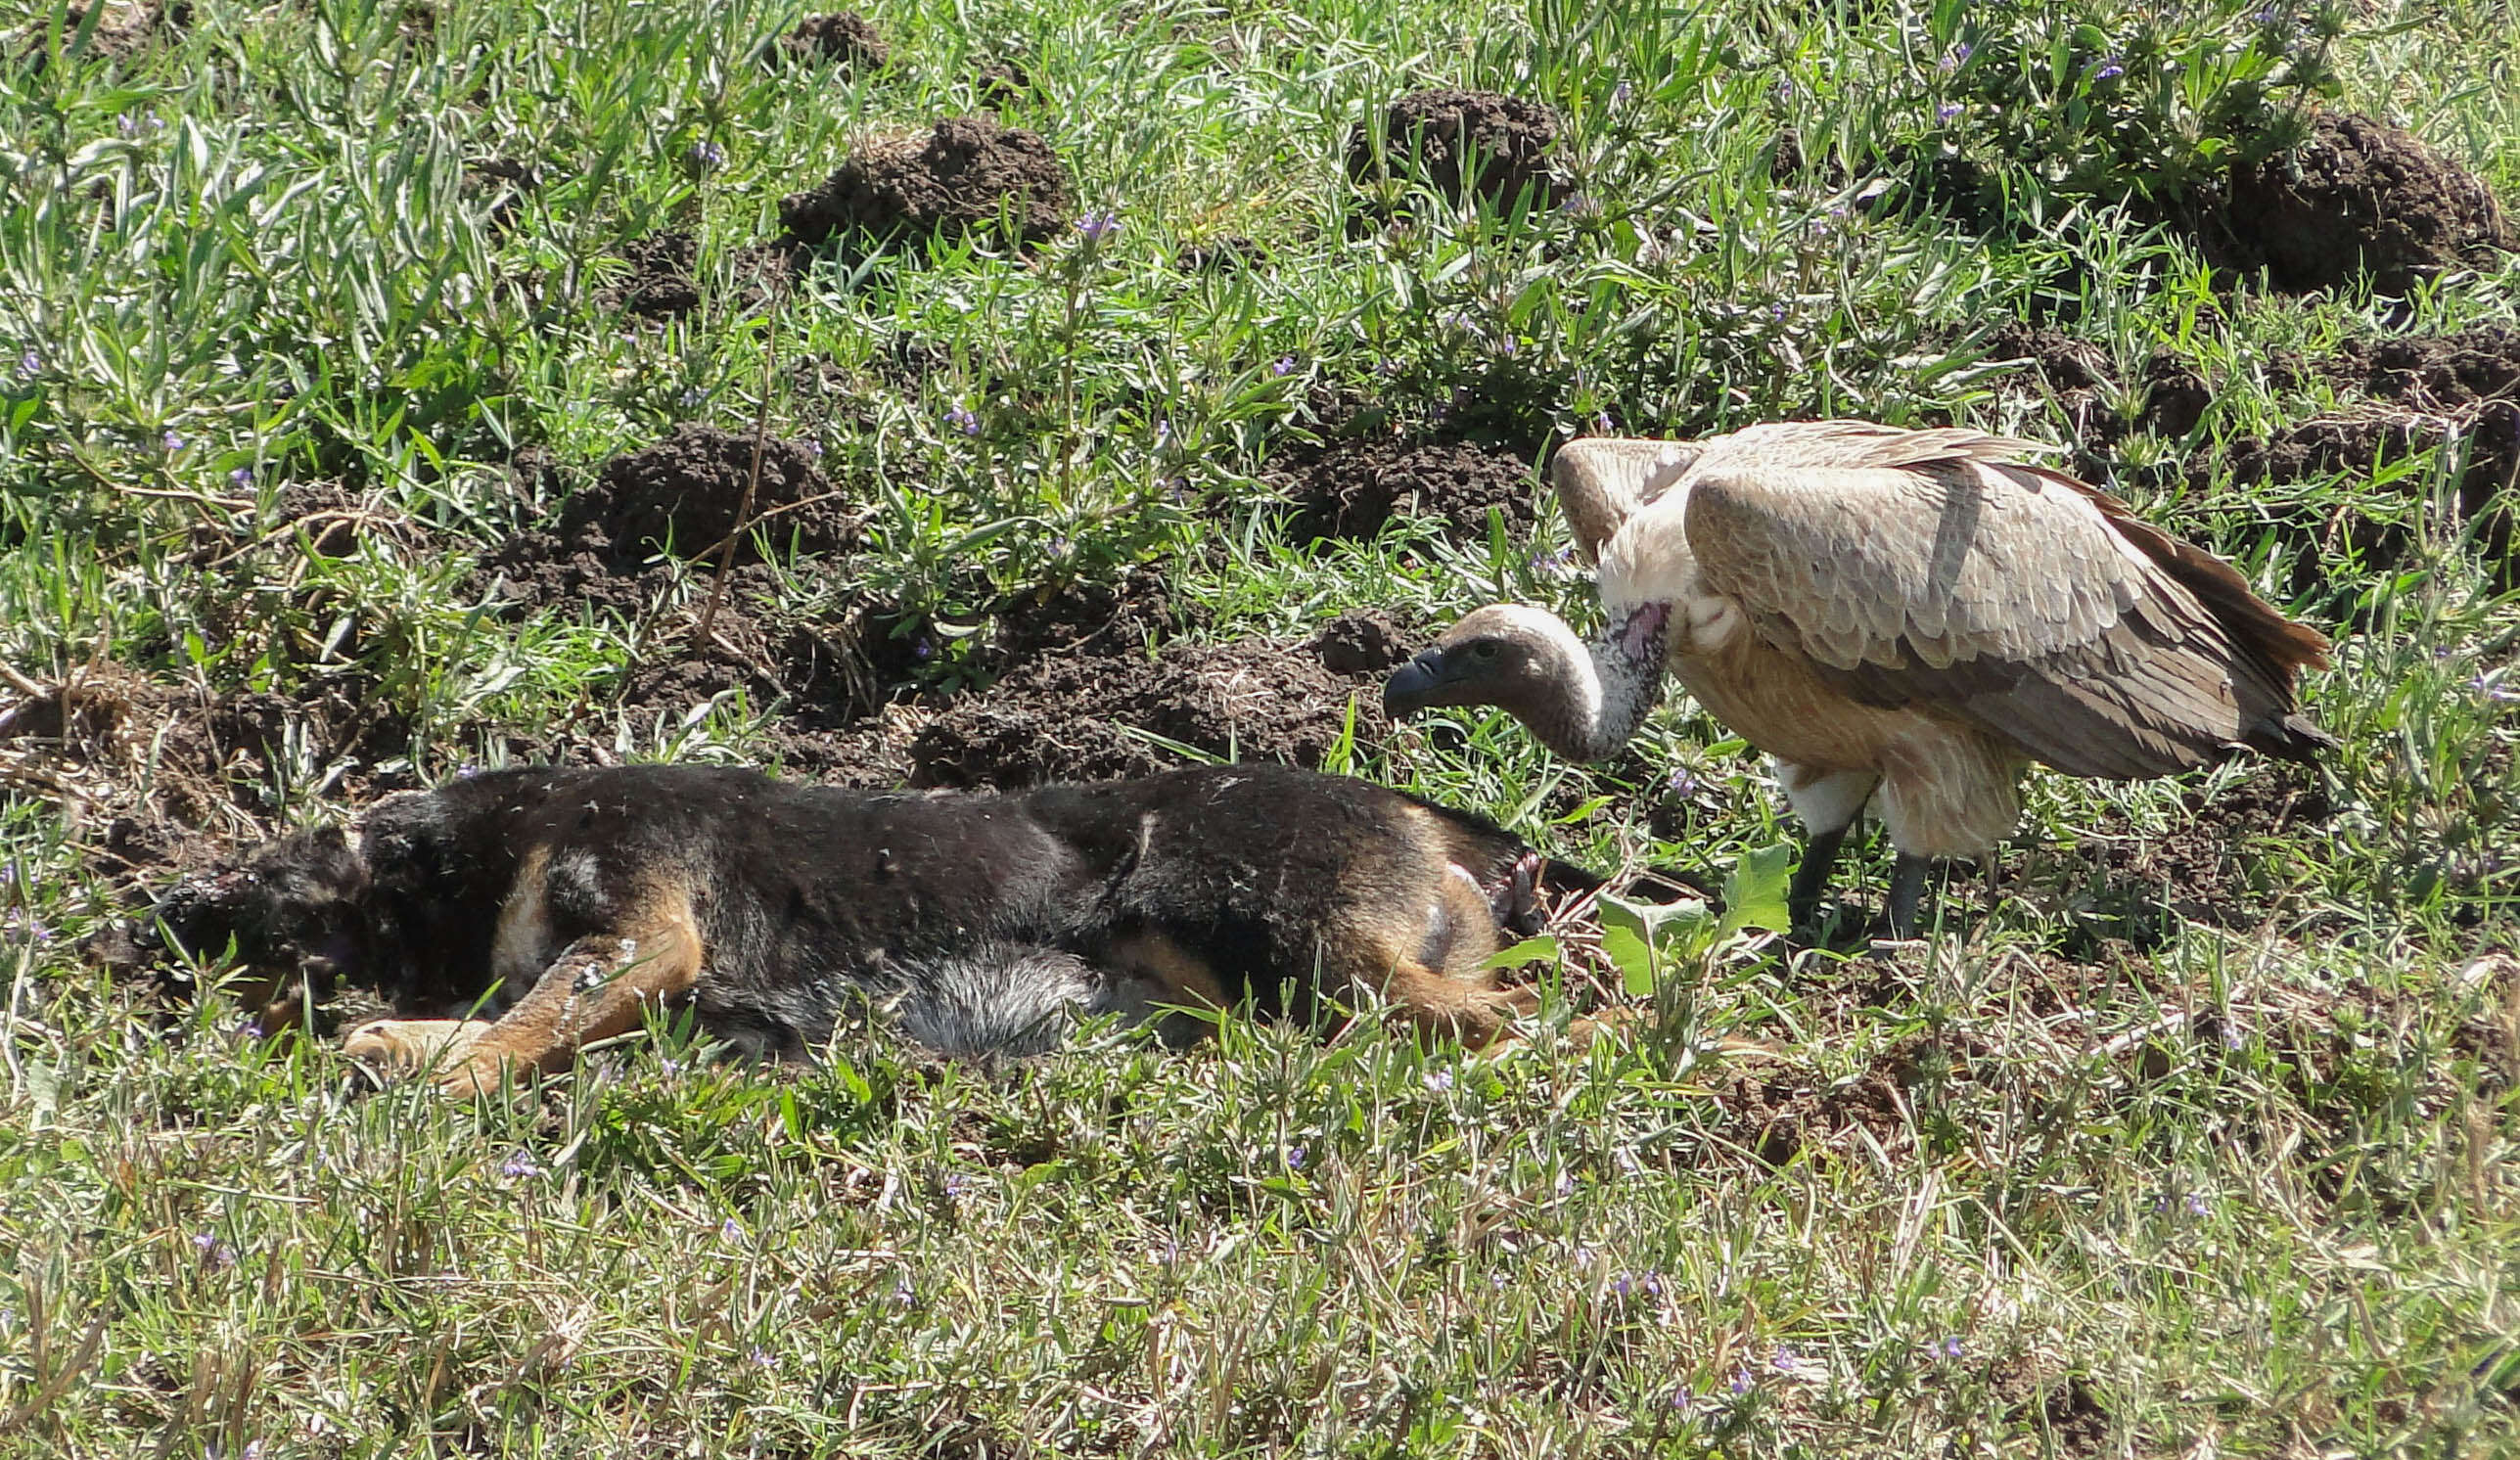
(1906,885)
(1811,878)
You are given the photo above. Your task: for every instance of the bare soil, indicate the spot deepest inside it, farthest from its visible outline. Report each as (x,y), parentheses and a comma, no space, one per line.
(964,174)
(663,281)
(1464,144)
(2425,391)
(2359,197)
(1068,716)
(682,494)
(121,32)
(843,38)
(2199,871)
(1354,488)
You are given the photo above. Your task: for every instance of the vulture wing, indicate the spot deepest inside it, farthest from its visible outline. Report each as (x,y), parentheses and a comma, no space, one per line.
(1602,481)
(1922,569)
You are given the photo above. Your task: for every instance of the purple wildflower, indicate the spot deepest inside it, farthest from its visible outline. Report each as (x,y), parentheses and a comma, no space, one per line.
(520,1165)
(1295,1157)
(172,439)
(241,479)
(669,1067)
(213,1252)
(1953,58)
(1784,92)
(1947,113)
(2107,70)
(1743,1381)
(1786,1360)
(1949,1348)
(1508,345)
(762,1358)
(1098,226)
(1163,433)
(1601,423)
(1620,1285)
(809,447)
(692,397)
(1282,366)
(922,650)
(1440,1082)
(903,1294)
(2268,16)
(31,362)
(1683,781)
(2198,1205)
(962,419)
(729,1232)
(957,1186)
(704,156)
(1582,1258)
(1620,93)
(1582,206)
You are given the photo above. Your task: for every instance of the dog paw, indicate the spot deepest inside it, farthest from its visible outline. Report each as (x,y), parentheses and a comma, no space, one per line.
(400,1047)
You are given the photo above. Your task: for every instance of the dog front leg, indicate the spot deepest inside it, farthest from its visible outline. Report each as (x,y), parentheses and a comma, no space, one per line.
(599,986)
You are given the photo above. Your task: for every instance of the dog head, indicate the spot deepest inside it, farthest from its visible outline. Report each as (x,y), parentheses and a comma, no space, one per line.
(293,913)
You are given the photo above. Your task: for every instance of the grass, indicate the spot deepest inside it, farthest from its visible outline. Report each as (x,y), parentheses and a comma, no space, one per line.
(2109,1172)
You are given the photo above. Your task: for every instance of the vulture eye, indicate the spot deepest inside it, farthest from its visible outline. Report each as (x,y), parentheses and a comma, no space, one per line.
(1486,651)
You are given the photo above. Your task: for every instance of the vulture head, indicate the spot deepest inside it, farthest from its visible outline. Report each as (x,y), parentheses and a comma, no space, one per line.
(1583,701)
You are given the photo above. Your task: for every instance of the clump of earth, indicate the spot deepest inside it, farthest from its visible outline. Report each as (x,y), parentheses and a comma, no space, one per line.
(2359,197)
(122,31)
(1463,144)
(682,494)
(843,37)
(2421,392)
(1354,488)
(964,174)
(1088,716)
(664,281)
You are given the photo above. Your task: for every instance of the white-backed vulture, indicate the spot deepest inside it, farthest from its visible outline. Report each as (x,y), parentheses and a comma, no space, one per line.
(1902,617)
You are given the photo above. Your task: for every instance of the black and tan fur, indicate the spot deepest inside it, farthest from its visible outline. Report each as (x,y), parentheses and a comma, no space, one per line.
(984,922)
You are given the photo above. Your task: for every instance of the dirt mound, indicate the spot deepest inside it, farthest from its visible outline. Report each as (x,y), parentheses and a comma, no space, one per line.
(966,172)
(153,778)
(2176,395)
(1068,717)
(1364,641)
(1356,487)
(121,32)
(1463,144)
(2432,389)
(1003,82)
(660,285)
(2434,372)
(687,490)
(1088,617)
(664,281)
(842,36)
(2358,196)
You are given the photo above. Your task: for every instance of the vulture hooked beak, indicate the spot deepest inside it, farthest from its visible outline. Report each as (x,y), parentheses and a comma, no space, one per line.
(1415,685)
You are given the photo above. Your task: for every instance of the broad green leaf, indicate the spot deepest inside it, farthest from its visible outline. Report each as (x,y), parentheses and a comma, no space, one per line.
(1529,951)
(1753,896)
